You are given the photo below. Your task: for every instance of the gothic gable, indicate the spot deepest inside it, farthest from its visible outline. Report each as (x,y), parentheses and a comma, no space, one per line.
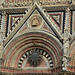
(34,20)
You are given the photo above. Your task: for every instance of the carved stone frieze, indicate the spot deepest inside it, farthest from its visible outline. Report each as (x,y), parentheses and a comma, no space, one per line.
(21,3)
(18,3)
(48,8)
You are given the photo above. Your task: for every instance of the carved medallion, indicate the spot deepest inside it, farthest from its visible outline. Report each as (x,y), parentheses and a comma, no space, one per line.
(35,21)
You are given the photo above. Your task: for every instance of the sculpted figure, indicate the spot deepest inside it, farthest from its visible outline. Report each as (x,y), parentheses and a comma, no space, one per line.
(64,63)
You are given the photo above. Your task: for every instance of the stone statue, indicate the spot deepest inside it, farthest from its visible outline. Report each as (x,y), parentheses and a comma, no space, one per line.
(65,64)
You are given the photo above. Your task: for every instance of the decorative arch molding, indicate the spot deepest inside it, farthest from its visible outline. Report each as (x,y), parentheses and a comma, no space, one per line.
(31,31)
(19,45)
(42,55)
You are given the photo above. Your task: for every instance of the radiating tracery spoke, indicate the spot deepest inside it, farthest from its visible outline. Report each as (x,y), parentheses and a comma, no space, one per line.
(35,58)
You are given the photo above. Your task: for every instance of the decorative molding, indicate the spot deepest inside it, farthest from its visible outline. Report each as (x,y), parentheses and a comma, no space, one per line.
(12,70)
(59,7)
(41,54)
(66,41)
(57,17)
(48,8)
(55,2)
(23,7)
(66,33)
(73,23)
(56,7)
(13,21)
(3,23)
(18,3)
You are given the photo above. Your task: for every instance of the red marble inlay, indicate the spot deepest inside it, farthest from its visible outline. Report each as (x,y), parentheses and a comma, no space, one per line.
(60,19)
(74,21)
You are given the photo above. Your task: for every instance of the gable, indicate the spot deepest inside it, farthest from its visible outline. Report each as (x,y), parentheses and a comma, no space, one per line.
(41,24)
(38,17)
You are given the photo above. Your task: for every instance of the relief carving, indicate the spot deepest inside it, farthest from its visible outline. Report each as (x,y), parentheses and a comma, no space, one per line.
(35,22)
(17,3)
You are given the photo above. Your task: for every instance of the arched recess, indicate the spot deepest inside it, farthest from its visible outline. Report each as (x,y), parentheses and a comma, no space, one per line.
(49,49)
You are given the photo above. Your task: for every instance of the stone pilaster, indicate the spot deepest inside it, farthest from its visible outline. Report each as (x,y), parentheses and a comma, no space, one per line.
(2,32)
(66,38)
(2,35)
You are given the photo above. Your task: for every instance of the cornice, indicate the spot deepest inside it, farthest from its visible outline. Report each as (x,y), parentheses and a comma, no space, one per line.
(59,7)
(47,7)
(14,10)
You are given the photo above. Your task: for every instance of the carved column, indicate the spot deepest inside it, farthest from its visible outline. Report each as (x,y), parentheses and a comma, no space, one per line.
(66,37)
